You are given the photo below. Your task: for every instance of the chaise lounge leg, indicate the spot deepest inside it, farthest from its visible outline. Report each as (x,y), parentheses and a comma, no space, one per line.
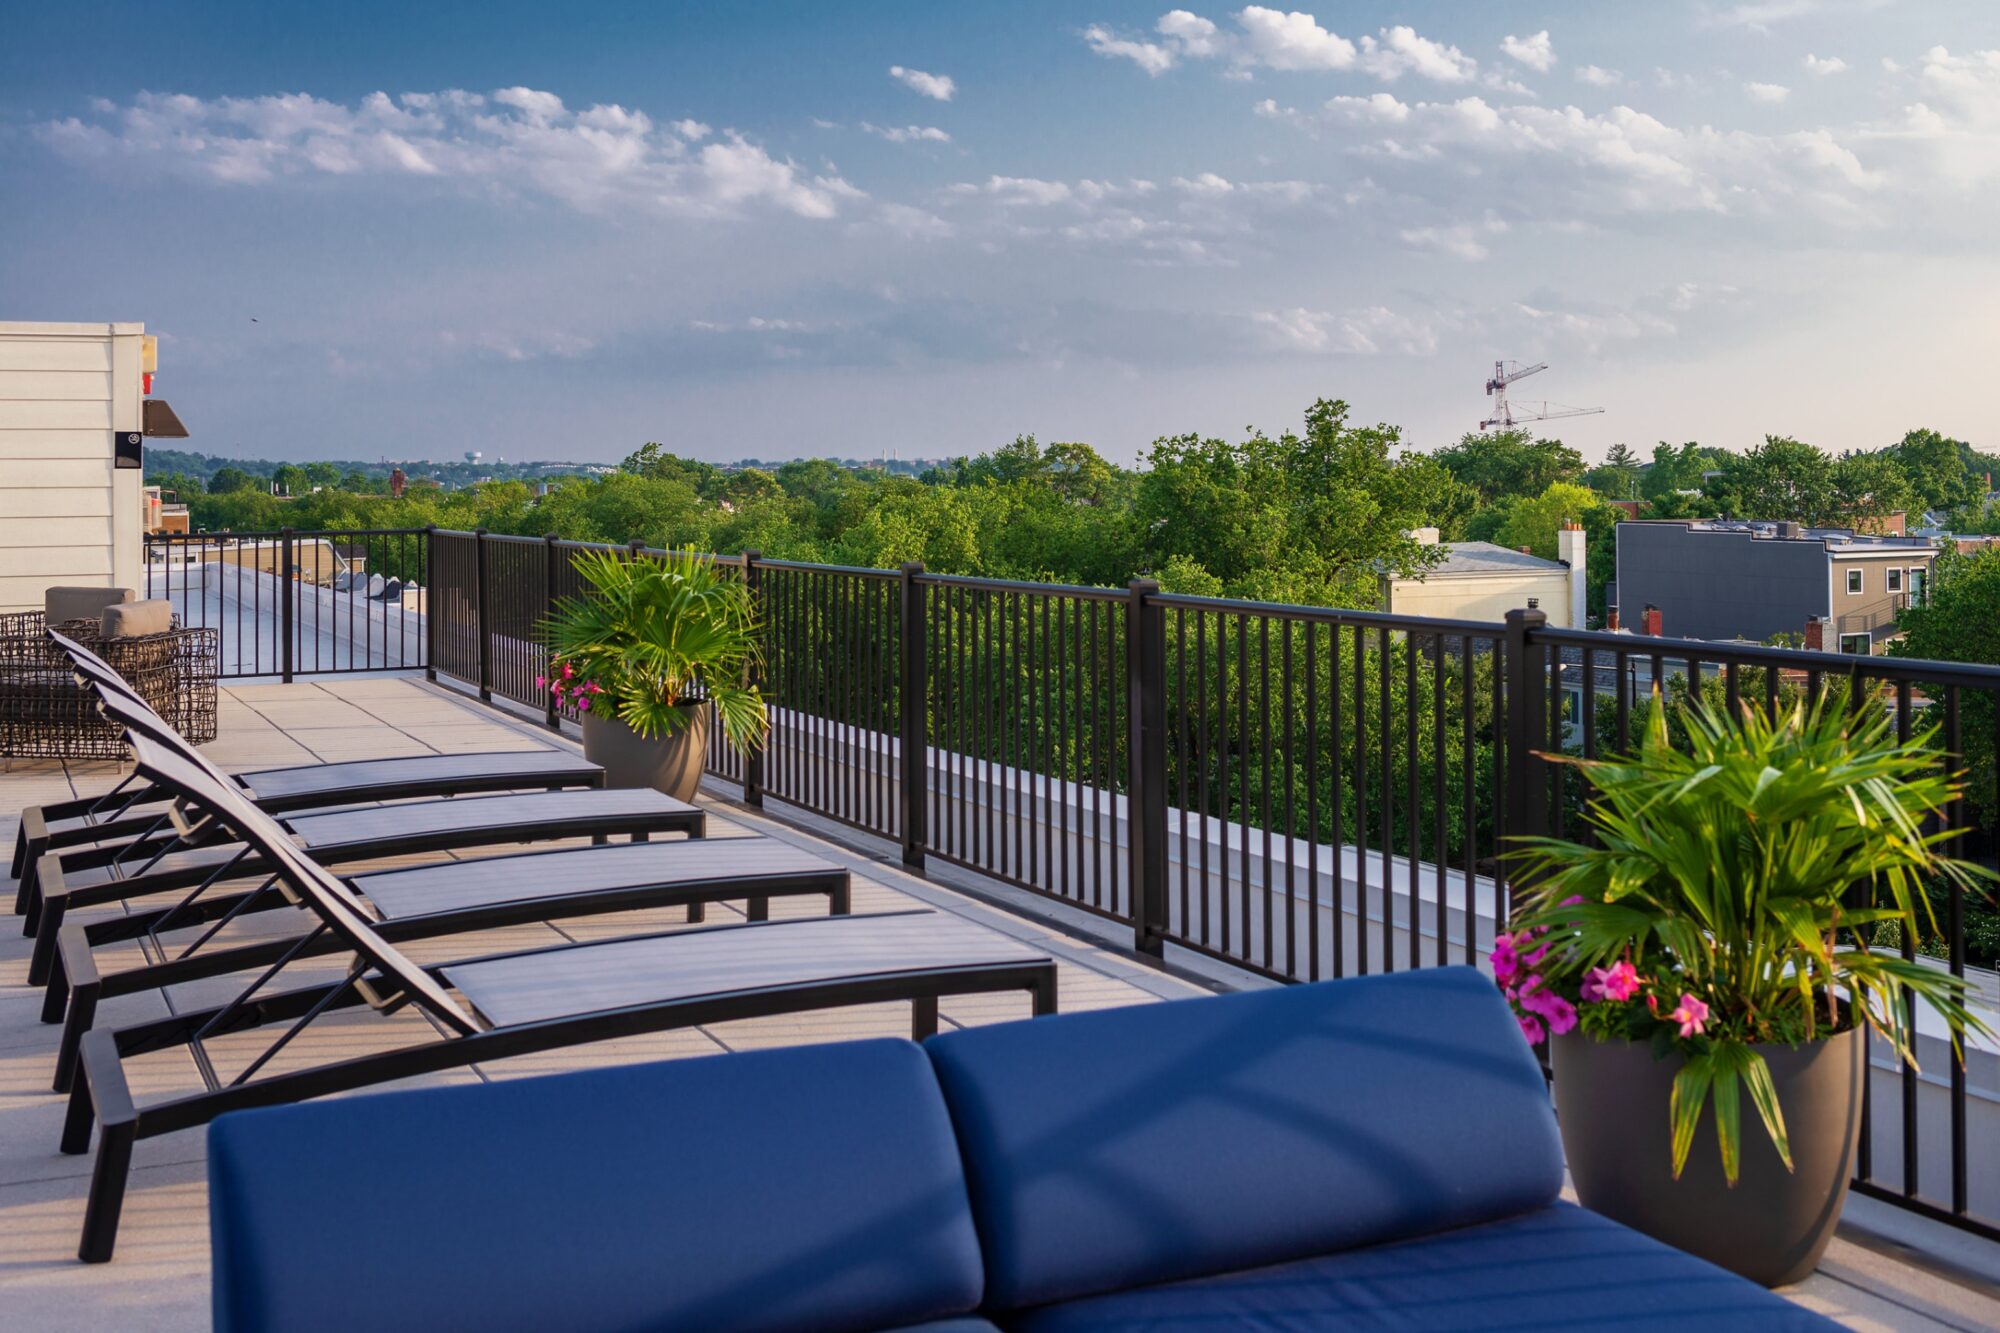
(923,1017)
(56,998)
(758,909)
(27,859)
(82,1116)
(107,1193)
(41,960)
(82,1013)
(697,912)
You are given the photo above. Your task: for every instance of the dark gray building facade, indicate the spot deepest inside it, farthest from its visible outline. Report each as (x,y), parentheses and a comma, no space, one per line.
(1736,580)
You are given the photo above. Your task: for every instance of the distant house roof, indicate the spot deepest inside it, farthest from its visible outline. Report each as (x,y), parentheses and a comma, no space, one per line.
(1470,558)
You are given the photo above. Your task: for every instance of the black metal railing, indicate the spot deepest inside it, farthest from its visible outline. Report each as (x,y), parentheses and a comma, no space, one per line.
(1299,792)
(290,602)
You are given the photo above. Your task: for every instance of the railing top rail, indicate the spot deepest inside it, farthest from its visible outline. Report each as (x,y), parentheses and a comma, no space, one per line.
(1916,670)
(1076,590)
(1480,629)
(858,571)
(273,534)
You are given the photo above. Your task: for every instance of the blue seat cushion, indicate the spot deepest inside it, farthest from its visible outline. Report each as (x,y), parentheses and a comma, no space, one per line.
(1556,1268)
(807,1187)
(1145,1144)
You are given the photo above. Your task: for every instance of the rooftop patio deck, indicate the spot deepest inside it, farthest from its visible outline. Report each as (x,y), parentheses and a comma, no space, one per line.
(160,1278)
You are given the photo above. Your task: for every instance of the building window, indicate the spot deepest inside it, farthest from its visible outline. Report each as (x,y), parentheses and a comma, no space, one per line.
(1853,580)
(1856,643)
(1895,580)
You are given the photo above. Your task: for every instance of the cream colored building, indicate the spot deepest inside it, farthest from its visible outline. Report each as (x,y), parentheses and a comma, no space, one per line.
(1481,581)
(72,506)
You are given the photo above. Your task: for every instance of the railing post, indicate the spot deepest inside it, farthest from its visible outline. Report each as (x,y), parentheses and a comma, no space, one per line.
(288,603)
(1527,803)
(753,762)
(430,602)
(1146,762)
(479,604)
(551,563)
(637,546)
(913,705)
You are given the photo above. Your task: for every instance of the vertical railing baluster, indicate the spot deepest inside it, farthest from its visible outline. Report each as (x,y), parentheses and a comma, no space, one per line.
(1146,765)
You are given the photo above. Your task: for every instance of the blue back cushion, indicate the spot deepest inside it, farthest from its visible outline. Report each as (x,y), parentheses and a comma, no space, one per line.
(814,1186)
(1161,1141)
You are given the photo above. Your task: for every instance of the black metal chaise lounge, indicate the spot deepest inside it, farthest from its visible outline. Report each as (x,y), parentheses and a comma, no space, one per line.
(123,815)
(513,1004)
(428,901)
(127,811)
(192,854)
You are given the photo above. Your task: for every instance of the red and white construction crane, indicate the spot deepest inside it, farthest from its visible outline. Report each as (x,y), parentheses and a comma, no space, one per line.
(1506,414)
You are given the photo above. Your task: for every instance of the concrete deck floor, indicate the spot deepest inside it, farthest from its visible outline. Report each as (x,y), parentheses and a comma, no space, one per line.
(160,1278)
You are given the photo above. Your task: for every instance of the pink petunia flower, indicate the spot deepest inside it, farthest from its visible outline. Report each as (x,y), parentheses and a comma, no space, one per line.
(1506,962)
(1620,981)
(1531,1028)
(1691,1014)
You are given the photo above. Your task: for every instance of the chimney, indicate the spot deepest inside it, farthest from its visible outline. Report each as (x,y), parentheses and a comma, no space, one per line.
(1611,619)
(1424,536)
(1525,550)
(1815,635)
(1569,550)
(1649,622)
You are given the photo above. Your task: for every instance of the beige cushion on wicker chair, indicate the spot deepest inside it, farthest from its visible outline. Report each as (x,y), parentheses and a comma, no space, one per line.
(136,620)
(74,603)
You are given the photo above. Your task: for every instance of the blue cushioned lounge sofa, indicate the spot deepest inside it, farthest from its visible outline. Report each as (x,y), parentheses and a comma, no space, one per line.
(1365,1154)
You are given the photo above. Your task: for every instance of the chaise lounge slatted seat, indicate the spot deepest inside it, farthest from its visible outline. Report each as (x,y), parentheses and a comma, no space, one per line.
(89,877)
(514,1004)
(109,872)
(121,816)
(428,901)
(125,812)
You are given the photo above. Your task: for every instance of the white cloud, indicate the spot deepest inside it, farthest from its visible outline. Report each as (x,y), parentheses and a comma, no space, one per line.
(1193,34)
(1566,165)
(1367,331)
(517,141)
(1598,77)
(1953,130)
(1401,50)
(1462,240)
(1824,65)
(1152,57)
(906,133)
(1769,93)
(1204,218)
(1761,15)
(1538,53)
(938,86)
(1288,40)
(1277,39)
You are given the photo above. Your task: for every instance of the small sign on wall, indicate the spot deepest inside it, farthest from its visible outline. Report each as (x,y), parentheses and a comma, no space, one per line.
(128,449)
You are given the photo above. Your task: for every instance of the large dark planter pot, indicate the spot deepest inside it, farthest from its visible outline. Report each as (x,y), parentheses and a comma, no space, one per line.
(1612,1098)
(670,763)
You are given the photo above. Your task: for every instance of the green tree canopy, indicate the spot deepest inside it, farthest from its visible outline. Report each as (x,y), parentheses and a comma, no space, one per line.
(228,479)
(1314,517)
(1509,462)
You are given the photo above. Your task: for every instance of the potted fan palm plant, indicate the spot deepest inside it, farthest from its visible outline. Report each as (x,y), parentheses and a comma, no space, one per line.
(1714,940)
(651,652)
